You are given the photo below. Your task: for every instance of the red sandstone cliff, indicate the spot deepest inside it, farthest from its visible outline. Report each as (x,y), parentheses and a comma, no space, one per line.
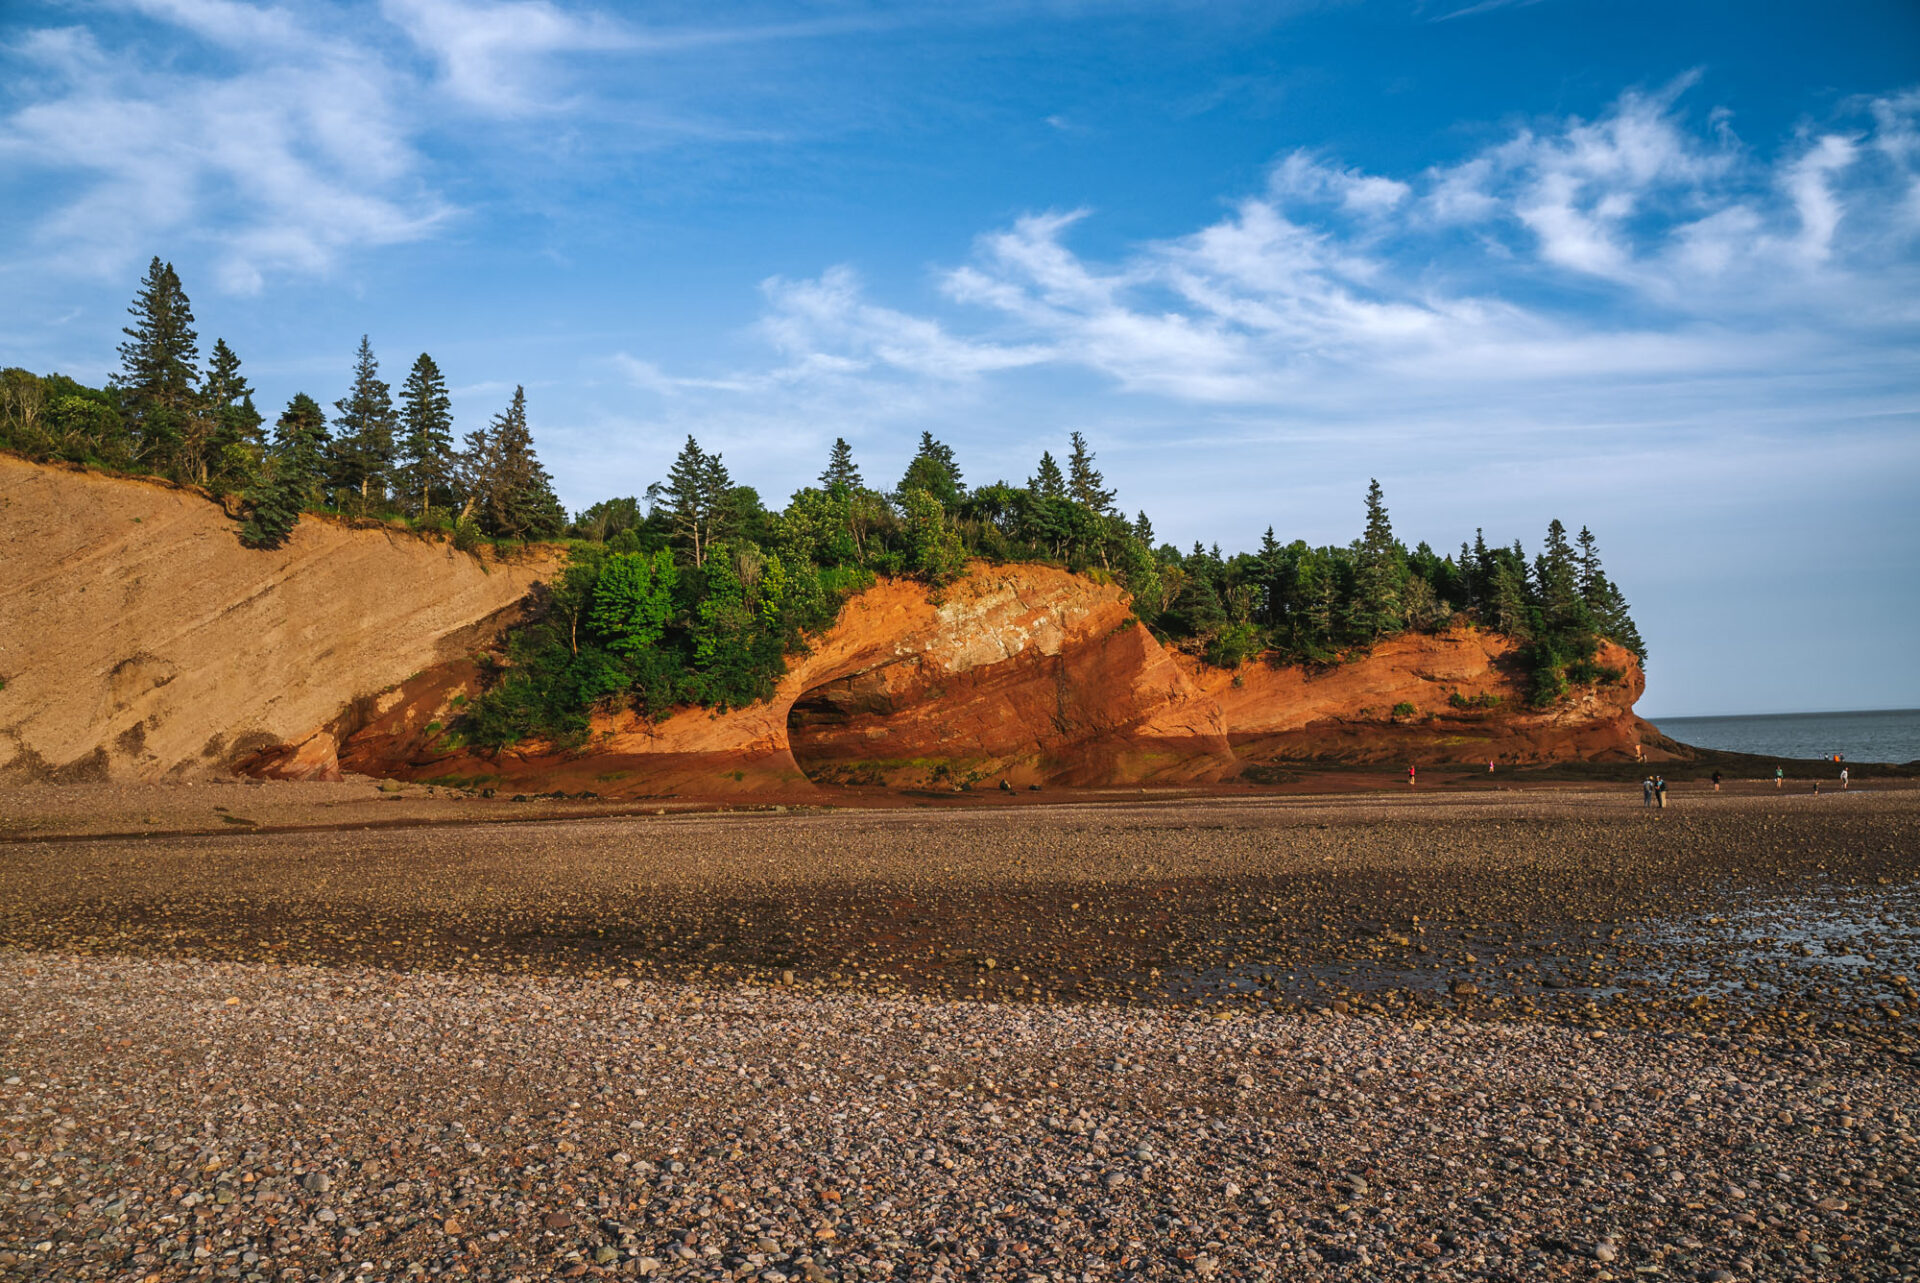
(1025,673)
(1028,674)
(139,640)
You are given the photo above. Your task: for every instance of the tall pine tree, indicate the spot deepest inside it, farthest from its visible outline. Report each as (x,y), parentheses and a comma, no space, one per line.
(1376,610)
(519,503)
(290,477)
(236,441)
(1557,580)
(363,443)
(425,450)
(934,471)
(158,375)
(695,498)
(1084,482)
(841,469)
(1048,481)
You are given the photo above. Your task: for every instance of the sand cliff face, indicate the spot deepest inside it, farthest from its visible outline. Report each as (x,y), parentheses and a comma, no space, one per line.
(139,640)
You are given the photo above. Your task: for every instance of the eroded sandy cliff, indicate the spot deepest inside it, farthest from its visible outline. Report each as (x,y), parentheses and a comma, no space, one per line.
(139,640)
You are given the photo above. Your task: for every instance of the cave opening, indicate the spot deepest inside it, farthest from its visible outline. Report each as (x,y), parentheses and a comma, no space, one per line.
(834,728)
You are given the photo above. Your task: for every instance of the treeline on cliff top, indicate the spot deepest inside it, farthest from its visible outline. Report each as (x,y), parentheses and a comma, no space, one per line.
(697,592)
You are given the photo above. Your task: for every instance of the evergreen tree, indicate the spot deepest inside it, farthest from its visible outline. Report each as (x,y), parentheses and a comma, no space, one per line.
(363,445)
(1048,482)
(933,470)
(841,469)
(1507,600)
(1084,482)
(1605,605)
(474,470)
(157,370)
(1376,610)
(1556,580)
(695,496)
(1587,560)
(519,502)
(1143,528)
(426,436)
(289,479)
(235,443)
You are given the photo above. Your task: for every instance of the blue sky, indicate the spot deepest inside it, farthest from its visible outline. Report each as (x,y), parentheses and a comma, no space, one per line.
(1646,267)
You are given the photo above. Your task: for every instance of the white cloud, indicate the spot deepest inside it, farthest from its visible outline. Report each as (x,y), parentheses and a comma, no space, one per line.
(1699,265)
(492,55)
(298,157)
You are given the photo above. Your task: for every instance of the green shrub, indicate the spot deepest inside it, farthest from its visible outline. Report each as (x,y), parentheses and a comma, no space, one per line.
(1403,709)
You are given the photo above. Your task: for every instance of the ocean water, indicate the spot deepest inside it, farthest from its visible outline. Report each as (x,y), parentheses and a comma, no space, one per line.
(1886,735)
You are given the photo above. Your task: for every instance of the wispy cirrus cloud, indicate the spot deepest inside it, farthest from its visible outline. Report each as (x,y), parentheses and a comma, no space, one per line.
(300,152)
(1627,287)
(1630,246)
(283,137)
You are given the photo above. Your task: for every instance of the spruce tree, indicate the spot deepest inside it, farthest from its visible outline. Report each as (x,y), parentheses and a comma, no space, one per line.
(158,376)
(1143,528)
(363,445)
(519,502)
(1556,580)
(841,469)
(933,470)
(426,436)
(1587,560)
(289,478)
(235,442)
(1047,481)
(1084,482)
(1376,610)
(689,497)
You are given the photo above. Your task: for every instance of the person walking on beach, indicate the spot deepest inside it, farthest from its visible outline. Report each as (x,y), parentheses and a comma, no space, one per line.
(1646,793)
(1779,777)
(1489,766)
(1411,771)
(1843,779)
(1660,791)
(1716,781)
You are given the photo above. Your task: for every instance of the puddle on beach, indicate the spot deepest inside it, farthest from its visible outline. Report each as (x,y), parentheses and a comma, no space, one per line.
(1838,948)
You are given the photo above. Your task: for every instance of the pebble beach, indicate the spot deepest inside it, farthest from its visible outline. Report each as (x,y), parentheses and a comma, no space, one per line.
(1322,1039)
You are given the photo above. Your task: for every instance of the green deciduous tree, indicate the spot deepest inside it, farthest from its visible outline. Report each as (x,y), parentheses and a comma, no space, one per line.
(633,600)
(934,550)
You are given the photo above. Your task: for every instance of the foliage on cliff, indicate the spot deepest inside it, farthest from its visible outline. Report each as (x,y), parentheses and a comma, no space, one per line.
(697,594)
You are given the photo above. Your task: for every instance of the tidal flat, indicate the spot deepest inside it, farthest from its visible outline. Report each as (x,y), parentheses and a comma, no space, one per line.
(1492,1035)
